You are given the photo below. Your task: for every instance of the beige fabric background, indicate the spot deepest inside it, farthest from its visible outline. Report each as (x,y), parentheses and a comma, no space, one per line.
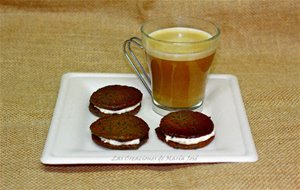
(42,40)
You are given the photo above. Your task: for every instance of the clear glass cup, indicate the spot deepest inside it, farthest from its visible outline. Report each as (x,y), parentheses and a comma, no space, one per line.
(179,53)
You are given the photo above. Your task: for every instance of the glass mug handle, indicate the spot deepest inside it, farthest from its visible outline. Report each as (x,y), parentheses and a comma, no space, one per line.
(135,63)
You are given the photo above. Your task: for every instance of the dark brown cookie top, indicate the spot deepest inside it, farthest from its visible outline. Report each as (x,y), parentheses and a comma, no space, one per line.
(186,124)
(121,127)
(116,97)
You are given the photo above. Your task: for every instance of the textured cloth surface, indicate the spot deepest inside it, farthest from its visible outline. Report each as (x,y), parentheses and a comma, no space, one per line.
(42,40)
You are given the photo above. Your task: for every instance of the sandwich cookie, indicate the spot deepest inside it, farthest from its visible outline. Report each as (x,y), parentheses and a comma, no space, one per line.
(186,130)
(115,99)
(120,131)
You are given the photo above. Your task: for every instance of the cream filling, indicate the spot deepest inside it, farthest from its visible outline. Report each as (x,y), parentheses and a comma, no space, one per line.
(189,141)
(128,109)
(118,143)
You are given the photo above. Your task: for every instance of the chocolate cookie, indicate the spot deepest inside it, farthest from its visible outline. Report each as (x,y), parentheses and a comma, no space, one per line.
(120,131)
(186,130)
(115,99)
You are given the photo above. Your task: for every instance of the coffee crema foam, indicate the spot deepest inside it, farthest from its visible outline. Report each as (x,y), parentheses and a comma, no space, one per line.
(179,44)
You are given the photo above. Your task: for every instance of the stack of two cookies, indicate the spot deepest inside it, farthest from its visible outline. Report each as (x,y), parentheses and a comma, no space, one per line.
(118,127)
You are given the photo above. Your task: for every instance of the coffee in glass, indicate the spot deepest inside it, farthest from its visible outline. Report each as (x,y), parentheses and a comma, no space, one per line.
(179,53)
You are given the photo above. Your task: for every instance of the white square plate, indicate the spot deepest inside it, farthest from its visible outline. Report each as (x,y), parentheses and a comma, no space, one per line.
(69,138)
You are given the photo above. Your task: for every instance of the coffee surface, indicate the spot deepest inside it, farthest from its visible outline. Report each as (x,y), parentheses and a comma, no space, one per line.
(179,44)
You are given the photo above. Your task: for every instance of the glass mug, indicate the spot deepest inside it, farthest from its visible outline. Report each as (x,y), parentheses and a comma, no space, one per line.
(179,53)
